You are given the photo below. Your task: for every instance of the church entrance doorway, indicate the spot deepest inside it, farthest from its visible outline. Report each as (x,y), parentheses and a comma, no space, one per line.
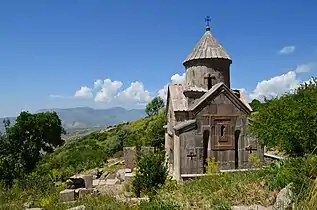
(206,135)
(236,149)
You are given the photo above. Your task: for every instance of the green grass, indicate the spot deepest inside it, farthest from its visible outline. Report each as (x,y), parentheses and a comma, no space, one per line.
(221,190)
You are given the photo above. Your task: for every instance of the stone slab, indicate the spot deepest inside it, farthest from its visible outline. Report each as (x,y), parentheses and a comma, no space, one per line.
(128,177)
(81,207)
(34,208)
(67,195)
(98,182)
(112,181)
(104,175)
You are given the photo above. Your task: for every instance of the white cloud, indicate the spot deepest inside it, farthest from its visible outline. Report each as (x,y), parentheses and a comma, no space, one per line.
(303,68)
(57,96)
(287,50)
(136,93)
(108,90)
(276,86)
(84,92)
(163,92)
(98,84)
(178,79)
(175,79)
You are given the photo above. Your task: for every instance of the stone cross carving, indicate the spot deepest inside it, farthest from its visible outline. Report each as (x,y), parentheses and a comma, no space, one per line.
(191,155)
(209,79)
(250,148)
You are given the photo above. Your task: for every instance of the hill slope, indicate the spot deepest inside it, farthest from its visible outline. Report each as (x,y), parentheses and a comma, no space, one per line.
(84,117)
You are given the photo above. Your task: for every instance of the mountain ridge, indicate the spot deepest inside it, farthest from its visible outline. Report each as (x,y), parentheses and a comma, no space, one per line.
(87,117)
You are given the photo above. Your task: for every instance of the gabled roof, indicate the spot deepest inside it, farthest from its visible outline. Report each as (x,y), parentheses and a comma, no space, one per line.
(176,96)
(184,124)
(207,48)
(214,91)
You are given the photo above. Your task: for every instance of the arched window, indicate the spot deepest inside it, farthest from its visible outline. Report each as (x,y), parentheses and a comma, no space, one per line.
(222,130)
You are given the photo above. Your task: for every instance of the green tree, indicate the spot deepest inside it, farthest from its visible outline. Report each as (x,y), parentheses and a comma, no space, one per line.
(289,122)
(154,106)
(23,144)
(255,105)
(151,173)
(155,131)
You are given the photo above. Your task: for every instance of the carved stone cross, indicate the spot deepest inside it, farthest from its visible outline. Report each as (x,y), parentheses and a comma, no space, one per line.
(250,148)
(191,155)
(209,79)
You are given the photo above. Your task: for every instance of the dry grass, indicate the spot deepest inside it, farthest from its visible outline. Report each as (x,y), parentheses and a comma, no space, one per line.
(310,202)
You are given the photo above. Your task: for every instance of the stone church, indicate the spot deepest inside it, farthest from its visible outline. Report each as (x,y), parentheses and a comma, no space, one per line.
(205,117)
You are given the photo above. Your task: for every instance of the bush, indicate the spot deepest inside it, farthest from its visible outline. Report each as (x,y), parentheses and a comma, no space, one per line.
(151,173)
(300,171)
(289,122)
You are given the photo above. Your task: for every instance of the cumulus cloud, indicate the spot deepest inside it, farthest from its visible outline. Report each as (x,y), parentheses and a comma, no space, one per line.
(279,85)
(287,50)
(303,68)
(84,92)
(111,92)
(135,93)
(276,86)
(98,84)
(108,89)
(175,79)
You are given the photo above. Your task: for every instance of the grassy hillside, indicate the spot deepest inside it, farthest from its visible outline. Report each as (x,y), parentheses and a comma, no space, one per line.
(212,192)
(92,150)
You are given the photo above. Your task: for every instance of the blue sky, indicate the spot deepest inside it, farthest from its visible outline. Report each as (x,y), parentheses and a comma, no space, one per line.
(50,49)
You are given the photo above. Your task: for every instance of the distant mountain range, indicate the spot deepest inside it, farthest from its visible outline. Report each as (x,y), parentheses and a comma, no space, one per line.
(85,117)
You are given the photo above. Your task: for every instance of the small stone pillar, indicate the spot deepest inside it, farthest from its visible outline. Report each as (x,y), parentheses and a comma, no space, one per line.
(129,157)
(88,181)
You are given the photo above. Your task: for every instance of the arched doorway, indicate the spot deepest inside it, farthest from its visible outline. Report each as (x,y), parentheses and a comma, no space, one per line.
(236,149)
(205,145)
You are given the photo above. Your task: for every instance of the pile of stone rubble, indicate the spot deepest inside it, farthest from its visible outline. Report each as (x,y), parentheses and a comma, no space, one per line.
(82,185)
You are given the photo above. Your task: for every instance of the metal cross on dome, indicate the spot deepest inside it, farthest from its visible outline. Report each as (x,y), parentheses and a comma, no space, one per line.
(208,20)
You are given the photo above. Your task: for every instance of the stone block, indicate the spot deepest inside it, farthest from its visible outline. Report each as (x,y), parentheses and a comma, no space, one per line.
(129,157)
(121,175)
(99,182)
(67,195)
(111,176)
(83,191)
(88,181)
(128,177)
(104,175)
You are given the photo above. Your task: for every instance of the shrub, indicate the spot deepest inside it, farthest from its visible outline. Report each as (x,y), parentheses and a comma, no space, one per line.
(300,171)
(151,173)
(289,122)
